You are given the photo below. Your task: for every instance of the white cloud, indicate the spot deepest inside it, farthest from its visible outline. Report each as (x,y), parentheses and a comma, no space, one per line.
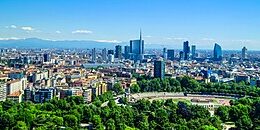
(177,38)
(110,41)
(58,32)
(11,26)
(10,38)
(242,41)
(148,36)
(27,28)
(208,39)
(81,32)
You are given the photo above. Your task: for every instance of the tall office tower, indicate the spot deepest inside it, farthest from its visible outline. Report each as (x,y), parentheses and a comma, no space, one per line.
(193,51)
(93,55)
(170,54)
(165,53)
(244,53)
(159,69)
(118,52)
(217,52)
(186,50)
(137,48)
(110,58)
(46,57)
(181,57)
(110,52)
(127,52)
(104,55)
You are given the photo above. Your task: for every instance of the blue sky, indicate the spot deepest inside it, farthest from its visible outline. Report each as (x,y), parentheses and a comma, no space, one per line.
(231,23)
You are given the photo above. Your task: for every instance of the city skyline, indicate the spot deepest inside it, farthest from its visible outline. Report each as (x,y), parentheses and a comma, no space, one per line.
(129,65)
(164,23)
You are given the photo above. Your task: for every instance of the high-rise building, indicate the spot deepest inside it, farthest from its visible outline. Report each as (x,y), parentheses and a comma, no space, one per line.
(110,58)
(244,53)
(137,48)
(118,52)
(165,53)
(170,54)
(94,55)
(46,57)
(193,51)
(186,50)
(181,57)
(217,52)
(104,55)
(110,52)
(159,69)
(127,52)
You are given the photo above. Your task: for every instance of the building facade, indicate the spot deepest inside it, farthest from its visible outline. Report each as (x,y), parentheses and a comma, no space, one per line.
(217,56)
(159,69)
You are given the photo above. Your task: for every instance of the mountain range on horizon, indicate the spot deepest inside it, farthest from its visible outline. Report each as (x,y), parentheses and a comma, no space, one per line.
(32,43)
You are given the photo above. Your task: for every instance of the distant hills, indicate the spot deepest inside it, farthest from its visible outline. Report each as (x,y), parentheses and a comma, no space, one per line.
(40,43)
(32,43)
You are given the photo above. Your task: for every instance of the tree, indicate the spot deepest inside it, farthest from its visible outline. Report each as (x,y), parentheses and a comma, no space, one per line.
(76,99)
(244,122)
(237,111)
(135,88)
(223,113)
(183,111)
(57,120)
(161,117)
(7,105)
(118,88)
(216,122)
(143,105)
(207,127)
(41,119)
(97,122)
(7,120)
(20,126)
(142,122)
(71,121)
(189,83)
(110,124)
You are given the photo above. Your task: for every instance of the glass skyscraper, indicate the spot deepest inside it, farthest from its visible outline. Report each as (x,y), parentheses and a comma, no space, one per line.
(217,52)
(104,55)
(127,52)
(118,52)
(110,52)
(244,50)
(159,69)
(165,53)
(94,55)
(170,54)
(193,51)
(186,50)
(137,48)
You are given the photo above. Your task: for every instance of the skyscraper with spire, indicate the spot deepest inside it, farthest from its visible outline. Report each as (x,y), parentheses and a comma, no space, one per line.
(244,54)
(137,48)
